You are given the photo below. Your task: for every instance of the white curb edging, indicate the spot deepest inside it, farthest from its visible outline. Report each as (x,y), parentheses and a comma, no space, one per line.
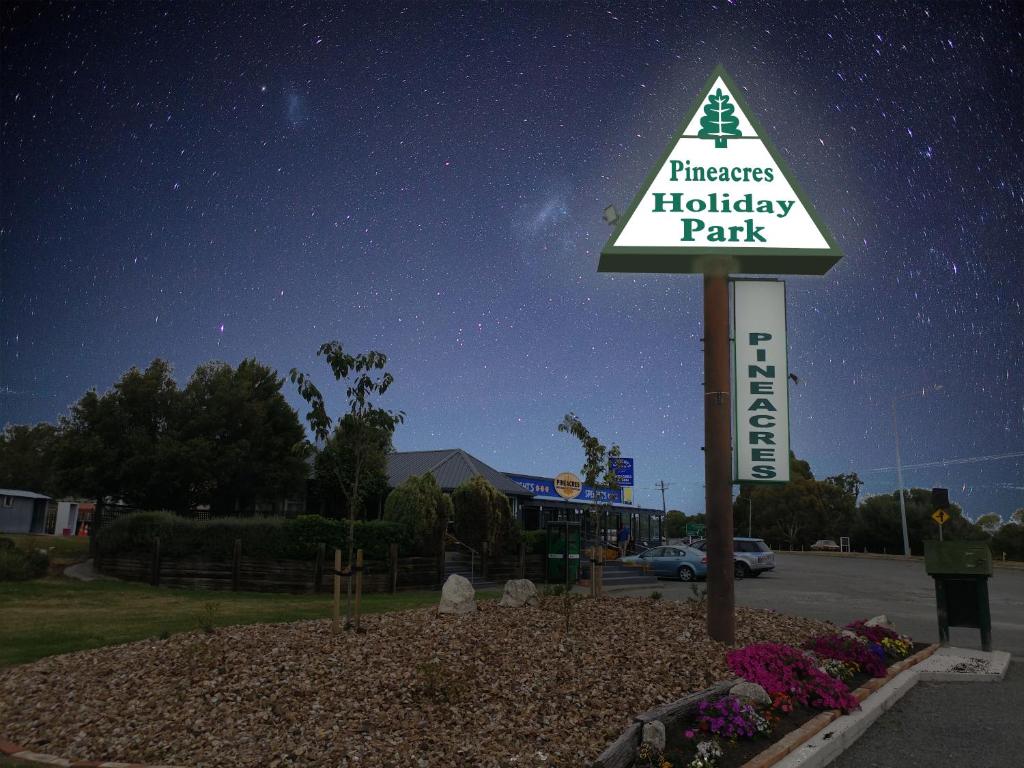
(945,665)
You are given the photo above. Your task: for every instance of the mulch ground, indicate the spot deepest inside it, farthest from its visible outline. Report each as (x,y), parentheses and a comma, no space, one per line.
(501,687)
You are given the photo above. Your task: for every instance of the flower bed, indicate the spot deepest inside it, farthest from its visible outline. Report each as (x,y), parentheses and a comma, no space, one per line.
(800,683)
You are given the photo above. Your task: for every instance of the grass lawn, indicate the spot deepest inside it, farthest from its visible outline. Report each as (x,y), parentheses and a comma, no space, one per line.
(59,615)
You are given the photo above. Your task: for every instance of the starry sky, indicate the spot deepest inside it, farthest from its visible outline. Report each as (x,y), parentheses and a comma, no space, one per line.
(201,182)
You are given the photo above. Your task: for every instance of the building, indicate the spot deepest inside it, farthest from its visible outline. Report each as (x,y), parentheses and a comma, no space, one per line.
(533,498)
(22,511)
(451,468)
(546,505)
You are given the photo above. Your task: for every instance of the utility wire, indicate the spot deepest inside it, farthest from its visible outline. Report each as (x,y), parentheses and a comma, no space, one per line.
(949,462)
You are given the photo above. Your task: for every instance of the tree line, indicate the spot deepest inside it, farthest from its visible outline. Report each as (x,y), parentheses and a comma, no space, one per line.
(225,440)
(796,514)
(228,440)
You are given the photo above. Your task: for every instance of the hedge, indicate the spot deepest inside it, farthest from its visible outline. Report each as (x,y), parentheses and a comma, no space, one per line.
(18,565)
(266,538)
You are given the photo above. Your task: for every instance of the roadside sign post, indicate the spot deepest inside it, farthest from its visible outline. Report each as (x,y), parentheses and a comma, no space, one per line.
(940,516)
(721,201)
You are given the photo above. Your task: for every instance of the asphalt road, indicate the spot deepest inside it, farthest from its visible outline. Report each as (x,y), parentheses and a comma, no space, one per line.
(947,724)
(843,588)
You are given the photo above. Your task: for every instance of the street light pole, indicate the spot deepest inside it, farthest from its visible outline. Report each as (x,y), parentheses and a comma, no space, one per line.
(899,479)
(899,465)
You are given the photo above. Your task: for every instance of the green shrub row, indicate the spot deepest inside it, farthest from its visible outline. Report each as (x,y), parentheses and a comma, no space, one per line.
(267,538)
(19,565)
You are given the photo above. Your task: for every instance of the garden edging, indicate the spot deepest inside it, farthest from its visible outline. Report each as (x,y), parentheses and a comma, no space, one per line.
(18,752)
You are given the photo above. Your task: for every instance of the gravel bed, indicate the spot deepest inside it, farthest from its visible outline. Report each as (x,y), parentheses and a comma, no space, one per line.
(501,687)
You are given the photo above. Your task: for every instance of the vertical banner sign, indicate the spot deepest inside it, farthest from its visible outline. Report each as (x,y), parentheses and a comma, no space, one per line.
(760,383)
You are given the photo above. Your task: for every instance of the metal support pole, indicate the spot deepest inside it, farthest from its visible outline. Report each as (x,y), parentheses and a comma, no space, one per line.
(750,517)
(899,479)
(718,460)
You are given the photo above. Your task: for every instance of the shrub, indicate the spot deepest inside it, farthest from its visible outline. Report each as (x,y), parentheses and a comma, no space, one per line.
(895,645)
(18,565)
(868,656)
(482,515)
(268,538)
(535,542)
(424,509)
(730,718)
(782,668)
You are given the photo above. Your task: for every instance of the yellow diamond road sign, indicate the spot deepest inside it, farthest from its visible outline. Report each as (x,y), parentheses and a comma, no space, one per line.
(940,516)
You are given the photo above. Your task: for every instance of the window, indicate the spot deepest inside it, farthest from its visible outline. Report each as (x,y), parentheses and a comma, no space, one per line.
(8,501)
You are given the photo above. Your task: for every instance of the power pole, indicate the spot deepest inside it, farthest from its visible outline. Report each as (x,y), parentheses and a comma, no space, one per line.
(661,486)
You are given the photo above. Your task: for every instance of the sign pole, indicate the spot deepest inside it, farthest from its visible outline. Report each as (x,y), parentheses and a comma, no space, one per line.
(718,459)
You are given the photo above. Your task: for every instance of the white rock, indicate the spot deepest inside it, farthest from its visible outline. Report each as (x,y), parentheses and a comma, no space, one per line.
(654,735)
(751,692)
(457,596)
(880,621)
(519,592)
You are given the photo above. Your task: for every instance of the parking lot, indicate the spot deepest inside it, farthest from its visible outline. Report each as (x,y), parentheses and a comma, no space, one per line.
(840,588)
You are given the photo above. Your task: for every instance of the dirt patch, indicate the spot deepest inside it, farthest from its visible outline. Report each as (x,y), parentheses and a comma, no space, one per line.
(502,687)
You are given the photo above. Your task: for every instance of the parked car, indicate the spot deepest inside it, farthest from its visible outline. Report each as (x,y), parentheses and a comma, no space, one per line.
(751,556)
(825,545)
(684,563)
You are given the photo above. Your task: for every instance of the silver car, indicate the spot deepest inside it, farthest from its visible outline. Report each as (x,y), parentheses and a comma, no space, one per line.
(751,557)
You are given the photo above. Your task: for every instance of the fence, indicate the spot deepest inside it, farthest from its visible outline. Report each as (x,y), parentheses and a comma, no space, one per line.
(298,576)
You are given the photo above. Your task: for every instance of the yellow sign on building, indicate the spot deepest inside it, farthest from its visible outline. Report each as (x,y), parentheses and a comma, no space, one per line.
(568,485)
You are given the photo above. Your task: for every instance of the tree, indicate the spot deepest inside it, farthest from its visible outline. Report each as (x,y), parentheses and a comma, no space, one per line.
(27,456)
(675,524)
(239,440)
(424,509)
(597,464)
(117,444)
(719,122)
(879,527)
(362,425)
(1018,516)
(483,516)
(339,457)
(1008,542)
(793,513)
(989,523)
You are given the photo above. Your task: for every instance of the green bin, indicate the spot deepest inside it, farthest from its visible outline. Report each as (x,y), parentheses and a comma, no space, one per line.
(961,570)
(563,539)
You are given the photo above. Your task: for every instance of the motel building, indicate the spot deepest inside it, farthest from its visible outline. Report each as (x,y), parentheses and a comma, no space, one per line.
(533,498)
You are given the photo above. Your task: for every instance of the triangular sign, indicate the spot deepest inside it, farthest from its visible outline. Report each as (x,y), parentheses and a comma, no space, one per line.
(720,199)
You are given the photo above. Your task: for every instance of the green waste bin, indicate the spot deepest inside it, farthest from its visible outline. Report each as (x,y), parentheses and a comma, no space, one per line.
(961,570)
(563,550)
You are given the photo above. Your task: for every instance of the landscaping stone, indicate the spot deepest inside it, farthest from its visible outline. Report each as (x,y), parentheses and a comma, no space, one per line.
(457,596)
(880,621)
(654,735)
(751,692)
(519,592)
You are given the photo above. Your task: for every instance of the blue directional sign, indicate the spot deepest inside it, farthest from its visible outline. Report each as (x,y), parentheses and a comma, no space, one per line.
(623,469)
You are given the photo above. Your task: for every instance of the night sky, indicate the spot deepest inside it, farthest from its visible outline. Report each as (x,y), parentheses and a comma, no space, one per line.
(198,183)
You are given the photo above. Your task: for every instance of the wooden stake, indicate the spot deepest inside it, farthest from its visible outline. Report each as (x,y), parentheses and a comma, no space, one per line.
(337,591)
(359,583)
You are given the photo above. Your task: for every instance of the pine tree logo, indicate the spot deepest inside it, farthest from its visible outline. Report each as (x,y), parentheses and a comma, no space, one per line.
(719,122)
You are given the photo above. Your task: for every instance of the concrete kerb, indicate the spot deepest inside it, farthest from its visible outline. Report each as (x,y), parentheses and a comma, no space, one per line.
(945,665)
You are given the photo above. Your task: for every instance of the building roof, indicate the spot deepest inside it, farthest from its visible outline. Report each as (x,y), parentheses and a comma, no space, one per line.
(22,494)
(451,468)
